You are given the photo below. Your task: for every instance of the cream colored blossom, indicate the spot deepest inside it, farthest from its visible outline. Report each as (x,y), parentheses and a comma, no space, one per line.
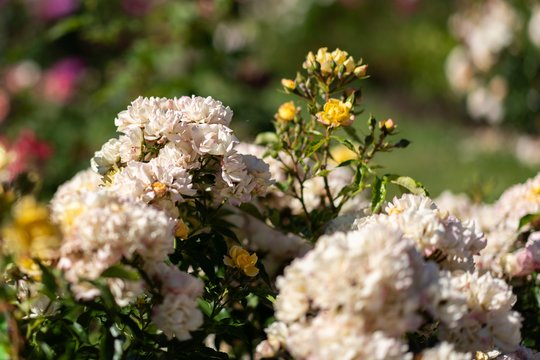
(107,157)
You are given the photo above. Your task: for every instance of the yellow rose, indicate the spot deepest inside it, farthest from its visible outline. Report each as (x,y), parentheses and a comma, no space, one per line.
(336,113)
(241,259)
(286,112)
(30,234)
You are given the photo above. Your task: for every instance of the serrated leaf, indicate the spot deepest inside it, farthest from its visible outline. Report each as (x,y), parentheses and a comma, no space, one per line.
(378,193)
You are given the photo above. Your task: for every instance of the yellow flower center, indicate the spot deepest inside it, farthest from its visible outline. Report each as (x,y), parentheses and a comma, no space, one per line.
(159,188)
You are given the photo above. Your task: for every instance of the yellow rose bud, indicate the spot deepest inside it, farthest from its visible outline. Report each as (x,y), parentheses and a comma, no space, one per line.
(336,113)
(286,112)
(360,71)
(310,63)
(181,231)
(288,84)
(243,260)
(387,125)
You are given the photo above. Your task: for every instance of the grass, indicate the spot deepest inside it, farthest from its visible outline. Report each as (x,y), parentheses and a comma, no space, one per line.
(438,158)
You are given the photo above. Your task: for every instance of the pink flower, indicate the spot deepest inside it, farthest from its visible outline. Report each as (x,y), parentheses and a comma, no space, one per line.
(27,153)
(524,262)
(60,80)
(55,9)
(406,7)
(136,7)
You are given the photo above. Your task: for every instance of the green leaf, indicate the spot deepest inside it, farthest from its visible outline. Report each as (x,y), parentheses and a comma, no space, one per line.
(121,272)
(346,162)
(48,280)
(313,147)
(205,307)
(351,131)
(252,210)
(403,143)
(409,183)
(323,173)
(368,140)
(345,142)
(266,138)
(378,193)
(71,24)
(529,218)
(106,345)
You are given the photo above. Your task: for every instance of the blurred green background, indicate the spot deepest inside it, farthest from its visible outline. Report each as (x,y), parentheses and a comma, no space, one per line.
(67,67)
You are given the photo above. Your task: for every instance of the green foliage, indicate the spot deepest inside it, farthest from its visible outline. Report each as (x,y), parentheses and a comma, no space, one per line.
(306,137)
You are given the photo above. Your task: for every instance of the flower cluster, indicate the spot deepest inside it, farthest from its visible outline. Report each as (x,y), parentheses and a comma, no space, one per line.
(406,270)
(506,254)
(175,149)
(495,36)
(171,154)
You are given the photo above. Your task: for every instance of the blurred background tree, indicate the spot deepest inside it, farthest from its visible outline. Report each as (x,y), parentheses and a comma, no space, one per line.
(67,67)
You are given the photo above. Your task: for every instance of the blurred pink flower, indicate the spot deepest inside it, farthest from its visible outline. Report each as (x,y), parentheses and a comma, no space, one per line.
(524,262)
(54,9)
(4,105)
(60,80)
(406,7)
(136,7)
(27,153)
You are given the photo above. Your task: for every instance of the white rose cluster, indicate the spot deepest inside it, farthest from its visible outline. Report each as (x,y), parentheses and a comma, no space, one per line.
(127,209)
(171,150)
(504,255)
(437,235)
(485,29)
(359,293)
